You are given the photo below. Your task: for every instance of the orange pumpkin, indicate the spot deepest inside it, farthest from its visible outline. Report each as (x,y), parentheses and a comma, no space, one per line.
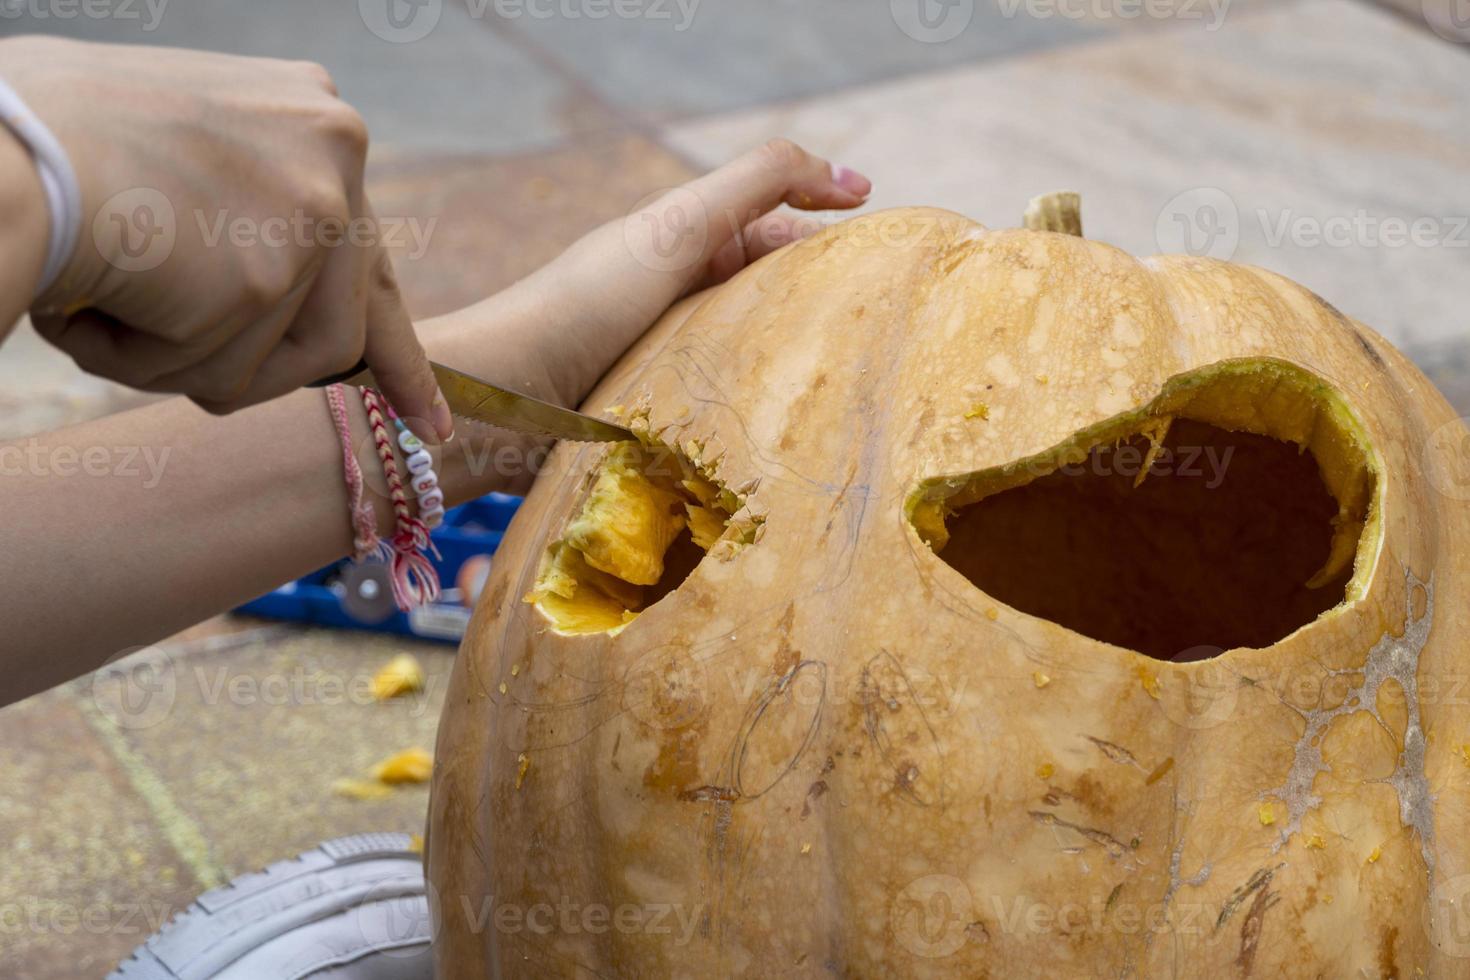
(981,603)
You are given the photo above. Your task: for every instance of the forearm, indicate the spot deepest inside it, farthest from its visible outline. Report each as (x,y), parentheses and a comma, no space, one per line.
(24,226)
(122,531)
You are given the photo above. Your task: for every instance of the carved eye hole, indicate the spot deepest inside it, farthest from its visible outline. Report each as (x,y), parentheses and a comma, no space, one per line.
(1226,513)
(649,516)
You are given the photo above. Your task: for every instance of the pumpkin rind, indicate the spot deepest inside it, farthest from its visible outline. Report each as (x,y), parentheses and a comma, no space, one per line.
(828,752)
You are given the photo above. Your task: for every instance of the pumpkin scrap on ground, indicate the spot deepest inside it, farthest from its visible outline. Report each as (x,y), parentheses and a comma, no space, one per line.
(1136,677)
(402,768)
(401,675)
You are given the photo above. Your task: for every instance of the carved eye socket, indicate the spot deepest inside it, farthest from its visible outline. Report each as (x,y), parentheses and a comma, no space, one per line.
(647,519)
(1227,513)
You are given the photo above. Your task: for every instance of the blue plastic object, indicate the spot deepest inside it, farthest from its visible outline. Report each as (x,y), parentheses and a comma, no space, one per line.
(348,596)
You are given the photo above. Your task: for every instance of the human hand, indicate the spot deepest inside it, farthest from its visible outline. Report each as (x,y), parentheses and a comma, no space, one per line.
(603,292)
(179,152)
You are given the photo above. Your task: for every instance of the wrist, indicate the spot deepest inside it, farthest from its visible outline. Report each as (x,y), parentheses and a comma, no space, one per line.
(39,71)
(26,220)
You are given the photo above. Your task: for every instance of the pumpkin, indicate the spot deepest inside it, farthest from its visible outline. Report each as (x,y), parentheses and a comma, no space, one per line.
(978,603)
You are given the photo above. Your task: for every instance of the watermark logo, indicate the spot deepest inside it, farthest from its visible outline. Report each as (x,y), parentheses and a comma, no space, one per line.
(137,688)
(1209,692)
(37,915)
(1450,19)
(667,231)
(1363,229)
(1447,917)
(405,21)
(149,13)
(1212,12)
(1447,459)
(932,21)
(400,21)
(1203,222)
(135,229)
(1206,463)
(666,689)
(932,915)
(679,12)
(393,918)
(676,923)
(34,458)
(304,231)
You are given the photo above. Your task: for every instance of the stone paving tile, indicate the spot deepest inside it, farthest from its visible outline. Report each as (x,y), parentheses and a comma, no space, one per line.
(488,221)
(246,743)
(677,58)
(86,873)
(460,87)
(1312,114)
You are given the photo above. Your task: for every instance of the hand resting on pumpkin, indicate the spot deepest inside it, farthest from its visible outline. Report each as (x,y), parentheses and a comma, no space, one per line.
(238,504)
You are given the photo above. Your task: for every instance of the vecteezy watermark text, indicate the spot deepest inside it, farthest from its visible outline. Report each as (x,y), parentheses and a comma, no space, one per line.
(304,231)
(38,916)
(137,229)
(406,21)
(148,12)
(569,917)
(31,458)
(1212,12)
(1189,462)
(1206,221)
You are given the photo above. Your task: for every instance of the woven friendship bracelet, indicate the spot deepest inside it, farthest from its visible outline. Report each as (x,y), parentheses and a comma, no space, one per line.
(415,582)
(365,541)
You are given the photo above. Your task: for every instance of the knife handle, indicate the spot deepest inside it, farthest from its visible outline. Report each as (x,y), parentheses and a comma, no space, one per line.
(352,372)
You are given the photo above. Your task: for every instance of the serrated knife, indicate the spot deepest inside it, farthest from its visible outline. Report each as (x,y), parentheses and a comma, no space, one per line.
(471,398)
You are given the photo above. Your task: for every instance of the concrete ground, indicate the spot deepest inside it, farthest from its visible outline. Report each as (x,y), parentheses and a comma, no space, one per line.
(1298,135)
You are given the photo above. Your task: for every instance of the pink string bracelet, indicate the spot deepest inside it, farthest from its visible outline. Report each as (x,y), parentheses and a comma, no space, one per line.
(366,544)
(415,582)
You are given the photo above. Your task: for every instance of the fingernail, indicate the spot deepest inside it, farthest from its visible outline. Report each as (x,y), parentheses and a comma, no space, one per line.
(443,419)
(851,181)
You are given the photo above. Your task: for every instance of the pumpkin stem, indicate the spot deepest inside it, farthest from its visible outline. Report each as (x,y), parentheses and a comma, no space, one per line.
(1059,211)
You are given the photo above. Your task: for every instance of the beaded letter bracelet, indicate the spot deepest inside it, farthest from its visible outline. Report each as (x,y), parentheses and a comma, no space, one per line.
(422,478)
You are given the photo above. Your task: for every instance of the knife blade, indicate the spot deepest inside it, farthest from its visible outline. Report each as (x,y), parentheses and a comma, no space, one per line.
(472,398)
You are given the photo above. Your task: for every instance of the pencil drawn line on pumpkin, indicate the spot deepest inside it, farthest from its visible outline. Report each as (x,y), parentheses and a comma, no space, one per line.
(881,703)
(757,712)
(718,399)
(771,466)
(1393,658)
(728,790)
